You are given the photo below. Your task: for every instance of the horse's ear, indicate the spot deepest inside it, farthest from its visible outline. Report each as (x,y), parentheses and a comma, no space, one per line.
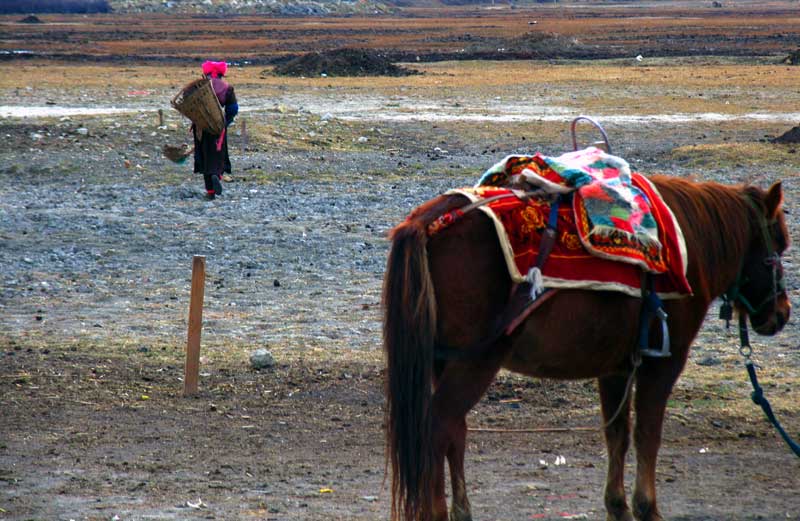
(773,200)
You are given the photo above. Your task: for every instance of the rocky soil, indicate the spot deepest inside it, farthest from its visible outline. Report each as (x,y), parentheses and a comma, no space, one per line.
(98,232)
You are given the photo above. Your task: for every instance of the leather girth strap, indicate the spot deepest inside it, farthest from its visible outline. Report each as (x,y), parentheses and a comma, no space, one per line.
(518,308)
(522,301)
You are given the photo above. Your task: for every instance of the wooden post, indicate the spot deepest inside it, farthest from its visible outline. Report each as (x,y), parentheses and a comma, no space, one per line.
(244,134)
(192,369)
(160,117)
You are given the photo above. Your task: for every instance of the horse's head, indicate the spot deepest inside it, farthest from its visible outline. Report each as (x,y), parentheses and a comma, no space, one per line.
(761,291)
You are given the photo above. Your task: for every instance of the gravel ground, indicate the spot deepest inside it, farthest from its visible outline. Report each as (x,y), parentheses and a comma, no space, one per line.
(293,256)
(94,279)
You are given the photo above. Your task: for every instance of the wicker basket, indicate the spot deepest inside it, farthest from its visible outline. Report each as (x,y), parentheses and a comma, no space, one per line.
(177,154)
(198,102)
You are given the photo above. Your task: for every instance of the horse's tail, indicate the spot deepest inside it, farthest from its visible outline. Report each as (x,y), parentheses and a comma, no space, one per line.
(408,337)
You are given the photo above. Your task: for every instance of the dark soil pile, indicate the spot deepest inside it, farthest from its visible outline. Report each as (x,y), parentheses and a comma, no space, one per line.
(543,42)
(32,19)
(342,62)
(790,136)
(532,45)
(793,58)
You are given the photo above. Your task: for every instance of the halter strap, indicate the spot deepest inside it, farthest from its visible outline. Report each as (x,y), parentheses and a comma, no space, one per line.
(733,293)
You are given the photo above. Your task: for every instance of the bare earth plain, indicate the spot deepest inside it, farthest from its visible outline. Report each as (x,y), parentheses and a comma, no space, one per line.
(98,231)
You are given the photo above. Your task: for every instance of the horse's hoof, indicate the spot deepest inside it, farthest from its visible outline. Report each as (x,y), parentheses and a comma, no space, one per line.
(617,508)
(623,516)
(647,515)
(650,517)
(456,514)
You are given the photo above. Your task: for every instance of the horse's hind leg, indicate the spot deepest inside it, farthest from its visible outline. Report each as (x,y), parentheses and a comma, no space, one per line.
(612,394)
(460,509)
(459,387)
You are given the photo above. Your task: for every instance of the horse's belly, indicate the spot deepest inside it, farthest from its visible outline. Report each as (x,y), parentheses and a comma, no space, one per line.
(577,369)
(579,335)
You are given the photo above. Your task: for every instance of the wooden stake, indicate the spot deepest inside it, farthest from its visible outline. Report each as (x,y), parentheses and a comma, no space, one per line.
(160,117)
(192,368)
(244,134)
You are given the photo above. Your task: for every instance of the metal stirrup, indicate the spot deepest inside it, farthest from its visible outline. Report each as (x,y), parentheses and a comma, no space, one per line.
(664,351)
(651,304)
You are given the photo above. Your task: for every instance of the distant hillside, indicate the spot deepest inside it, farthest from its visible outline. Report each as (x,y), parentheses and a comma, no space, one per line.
(54,6)
(296,7)
(276,7)
(303,7)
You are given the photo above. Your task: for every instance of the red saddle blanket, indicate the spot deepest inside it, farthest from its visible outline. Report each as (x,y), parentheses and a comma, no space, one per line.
(520,222)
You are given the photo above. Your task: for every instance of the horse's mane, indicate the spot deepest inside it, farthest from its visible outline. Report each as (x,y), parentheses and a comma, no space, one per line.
(715,217)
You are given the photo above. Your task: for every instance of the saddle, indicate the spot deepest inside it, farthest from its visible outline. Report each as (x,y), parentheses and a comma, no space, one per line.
(583,220)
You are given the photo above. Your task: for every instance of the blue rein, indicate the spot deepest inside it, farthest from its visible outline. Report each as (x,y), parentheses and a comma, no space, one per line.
(758,393)
(734,295)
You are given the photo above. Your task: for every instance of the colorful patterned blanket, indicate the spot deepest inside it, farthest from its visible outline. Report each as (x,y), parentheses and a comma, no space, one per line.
(613,216)
(520,223)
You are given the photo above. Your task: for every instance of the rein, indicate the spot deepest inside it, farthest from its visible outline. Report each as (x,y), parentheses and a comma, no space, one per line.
(758,393)
(734,294)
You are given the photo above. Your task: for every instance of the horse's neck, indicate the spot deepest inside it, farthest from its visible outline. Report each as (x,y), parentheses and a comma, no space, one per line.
(716,225)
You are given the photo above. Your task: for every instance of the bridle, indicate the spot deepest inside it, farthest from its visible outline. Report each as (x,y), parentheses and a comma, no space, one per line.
(773,260)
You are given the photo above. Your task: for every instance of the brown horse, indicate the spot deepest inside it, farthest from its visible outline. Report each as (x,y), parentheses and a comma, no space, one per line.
(448,289)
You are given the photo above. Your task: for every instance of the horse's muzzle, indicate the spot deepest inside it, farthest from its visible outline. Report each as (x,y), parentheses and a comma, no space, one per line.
(774,321)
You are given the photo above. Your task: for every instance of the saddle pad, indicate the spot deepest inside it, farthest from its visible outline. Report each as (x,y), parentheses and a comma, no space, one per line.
(519,224)
(614,217)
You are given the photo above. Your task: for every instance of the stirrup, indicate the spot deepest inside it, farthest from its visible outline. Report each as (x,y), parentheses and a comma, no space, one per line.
(664,352)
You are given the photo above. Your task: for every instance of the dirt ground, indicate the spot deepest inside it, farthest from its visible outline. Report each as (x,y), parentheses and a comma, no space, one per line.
(98,232)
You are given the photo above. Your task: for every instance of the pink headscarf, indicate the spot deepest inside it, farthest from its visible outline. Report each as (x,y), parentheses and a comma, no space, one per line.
(215,69)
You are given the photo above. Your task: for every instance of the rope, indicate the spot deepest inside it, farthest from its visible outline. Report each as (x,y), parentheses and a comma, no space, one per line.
(758,393)
(636,359)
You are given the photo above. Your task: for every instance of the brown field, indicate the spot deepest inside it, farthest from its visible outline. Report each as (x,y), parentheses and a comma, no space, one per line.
(663,29)
(97,229)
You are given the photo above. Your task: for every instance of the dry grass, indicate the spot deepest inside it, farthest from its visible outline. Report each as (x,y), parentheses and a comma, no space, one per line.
(751,156)
(733,87)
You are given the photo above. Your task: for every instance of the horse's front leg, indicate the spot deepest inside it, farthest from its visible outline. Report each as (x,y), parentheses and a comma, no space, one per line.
(653,387)
(617,433)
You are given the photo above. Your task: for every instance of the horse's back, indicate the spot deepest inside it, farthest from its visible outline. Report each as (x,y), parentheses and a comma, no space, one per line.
(471,280)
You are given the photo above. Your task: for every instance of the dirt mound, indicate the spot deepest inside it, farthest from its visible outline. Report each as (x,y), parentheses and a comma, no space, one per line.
(531,45)
(790,136)
(543,42)
(342,62)
(32,19)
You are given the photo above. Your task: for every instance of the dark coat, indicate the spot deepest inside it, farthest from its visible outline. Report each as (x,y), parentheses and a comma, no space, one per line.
(207,159)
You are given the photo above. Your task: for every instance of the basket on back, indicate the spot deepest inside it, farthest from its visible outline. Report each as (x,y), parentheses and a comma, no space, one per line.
(198,102)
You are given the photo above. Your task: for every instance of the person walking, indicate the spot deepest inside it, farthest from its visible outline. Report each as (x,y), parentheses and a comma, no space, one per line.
(211,152)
